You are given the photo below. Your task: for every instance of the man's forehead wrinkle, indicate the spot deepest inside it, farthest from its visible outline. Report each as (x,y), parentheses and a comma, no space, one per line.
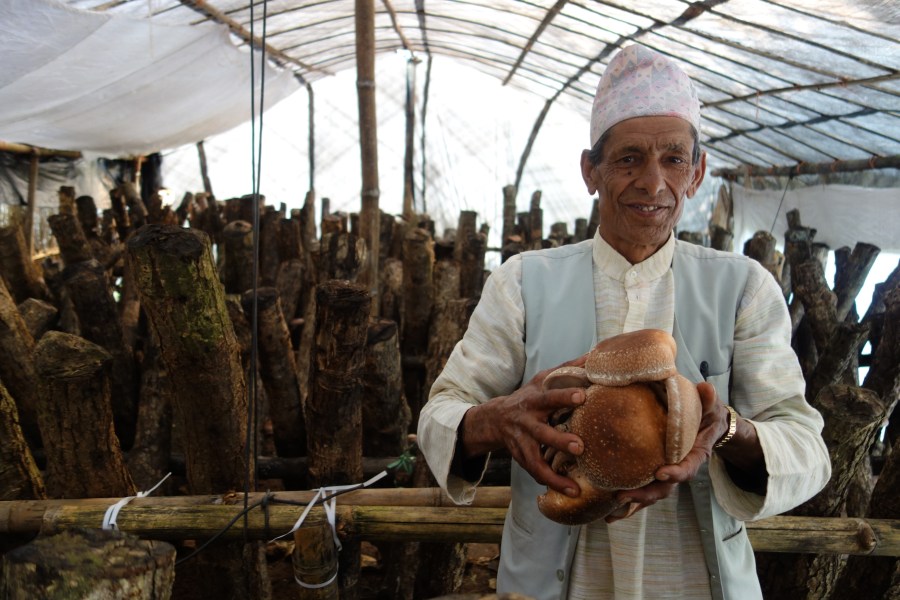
(630,145)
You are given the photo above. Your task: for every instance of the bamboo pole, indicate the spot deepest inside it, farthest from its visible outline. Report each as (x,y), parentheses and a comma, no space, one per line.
(179,518)
(370,215)
(822,168)
(33,174)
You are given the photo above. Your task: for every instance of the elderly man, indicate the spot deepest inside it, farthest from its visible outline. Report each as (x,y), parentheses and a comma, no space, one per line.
(539,309)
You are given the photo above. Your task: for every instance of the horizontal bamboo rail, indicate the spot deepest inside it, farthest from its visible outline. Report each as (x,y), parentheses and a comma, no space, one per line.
(420,514)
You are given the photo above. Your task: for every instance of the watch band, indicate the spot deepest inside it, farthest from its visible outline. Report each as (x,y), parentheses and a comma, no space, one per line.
(732,428)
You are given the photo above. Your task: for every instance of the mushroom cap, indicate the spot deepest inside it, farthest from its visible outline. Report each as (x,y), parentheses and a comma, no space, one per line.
(643,355)
(631,426)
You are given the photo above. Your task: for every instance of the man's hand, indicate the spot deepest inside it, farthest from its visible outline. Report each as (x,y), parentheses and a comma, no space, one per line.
(519,422)
(713,425)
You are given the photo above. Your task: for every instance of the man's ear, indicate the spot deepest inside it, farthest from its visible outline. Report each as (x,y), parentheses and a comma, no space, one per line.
(587,170)
(697,175)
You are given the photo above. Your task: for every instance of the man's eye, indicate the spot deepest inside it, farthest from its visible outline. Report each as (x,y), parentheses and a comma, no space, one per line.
(627,160)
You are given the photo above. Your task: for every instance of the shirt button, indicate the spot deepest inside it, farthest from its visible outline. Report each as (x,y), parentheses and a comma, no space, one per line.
(632,274)
(713,578)
(560,574)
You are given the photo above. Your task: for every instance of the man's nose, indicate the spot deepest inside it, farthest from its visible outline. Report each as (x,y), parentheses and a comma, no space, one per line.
(650,179)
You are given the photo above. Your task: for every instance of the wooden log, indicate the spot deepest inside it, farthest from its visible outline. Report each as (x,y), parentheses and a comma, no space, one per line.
(884,374)
(73,244)
(581,230)
(39,316)
(761,248)
(185,305)
(469,252)
(391,296)
(442,565)
(385,414)
(89,563)
(19,475)
(75,412)
(694,237)
(148,460)
(179,520)
(289,281)
(23,279)
(841,350)
(333,410)
(850,276)
(559,234)
(120,212)
(341,255)
(237,275)
(852,418)
(137,211)
(278,370)
(88,287)
(721,238)
(17,370)
(876,577)
(66,196)
(418,299)
(269,259)
(819,301)
(509,213)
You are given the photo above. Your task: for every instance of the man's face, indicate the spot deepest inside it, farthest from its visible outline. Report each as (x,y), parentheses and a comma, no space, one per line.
(643,177)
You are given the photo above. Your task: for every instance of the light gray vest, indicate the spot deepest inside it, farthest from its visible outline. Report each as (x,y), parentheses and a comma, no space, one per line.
(560,318)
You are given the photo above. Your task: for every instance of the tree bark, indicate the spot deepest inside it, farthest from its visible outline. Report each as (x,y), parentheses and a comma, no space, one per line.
(418,299)
(278,370)
(88,287)
(333,410)
(20,478)
(385,413)
(148,459)
(89,563)
(73,244)
(39,315)
(17,370)
(851,275)
(852,418)
(85,459)
(22,277)
(185,305)
(238,271)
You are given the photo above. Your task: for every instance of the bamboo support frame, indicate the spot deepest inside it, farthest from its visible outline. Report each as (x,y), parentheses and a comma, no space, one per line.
(427,515)
(824,168)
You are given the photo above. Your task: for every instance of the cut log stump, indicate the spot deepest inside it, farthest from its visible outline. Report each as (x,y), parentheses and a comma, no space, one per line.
(97,564)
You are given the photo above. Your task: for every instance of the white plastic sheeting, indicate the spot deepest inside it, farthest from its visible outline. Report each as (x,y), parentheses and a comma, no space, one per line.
(841,214)
(119,85)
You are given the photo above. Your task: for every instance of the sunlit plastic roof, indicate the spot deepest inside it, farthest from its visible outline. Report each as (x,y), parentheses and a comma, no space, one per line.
(781,83)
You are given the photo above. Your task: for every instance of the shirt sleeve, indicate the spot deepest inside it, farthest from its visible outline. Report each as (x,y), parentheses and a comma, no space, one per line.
(488,362)
(768,389)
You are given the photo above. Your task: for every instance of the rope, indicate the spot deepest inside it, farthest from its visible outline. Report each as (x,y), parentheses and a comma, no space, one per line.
(112,513)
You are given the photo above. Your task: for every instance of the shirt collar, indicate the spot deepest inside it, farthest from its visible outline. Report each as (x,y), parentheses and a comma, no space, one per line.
(616,266)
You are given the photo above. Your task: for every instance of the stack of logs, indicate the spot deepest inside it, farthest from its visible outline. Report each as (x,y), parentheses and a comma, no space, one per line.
(132,352)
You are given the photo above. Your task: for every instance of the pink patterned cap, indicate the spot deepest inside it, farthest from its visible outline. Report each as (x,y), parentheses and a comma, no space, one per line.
(639,82)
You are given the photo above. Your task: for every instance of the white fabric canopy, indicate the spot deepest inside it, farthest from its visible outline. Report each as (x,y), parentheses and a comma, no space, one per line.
(841,214)
(120,86)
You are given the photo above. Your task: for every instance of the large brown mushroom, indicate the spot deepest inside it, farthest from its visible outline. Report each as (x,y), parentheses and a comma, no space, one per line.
(639,414)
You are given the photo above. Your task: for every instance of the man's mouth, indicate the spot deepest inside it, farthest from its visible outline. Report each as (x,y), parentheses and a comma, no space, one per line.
(647,208)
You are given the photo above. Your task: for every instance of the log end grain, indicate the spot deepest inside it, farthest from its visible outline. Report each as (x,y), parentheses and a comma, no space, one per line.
(66,356)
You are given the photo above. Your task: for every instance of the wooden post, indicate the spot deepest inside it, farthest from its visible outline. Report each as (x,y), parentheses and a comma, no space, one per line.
(39,316)
(269,221)
(278,370)
(33,175)
(408,181)
(90,563)
(851,275)
(204,171)
(469,252)
(84,459)
(509,213)
(333,410)
(536,221)
(73,244)
(370,214)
